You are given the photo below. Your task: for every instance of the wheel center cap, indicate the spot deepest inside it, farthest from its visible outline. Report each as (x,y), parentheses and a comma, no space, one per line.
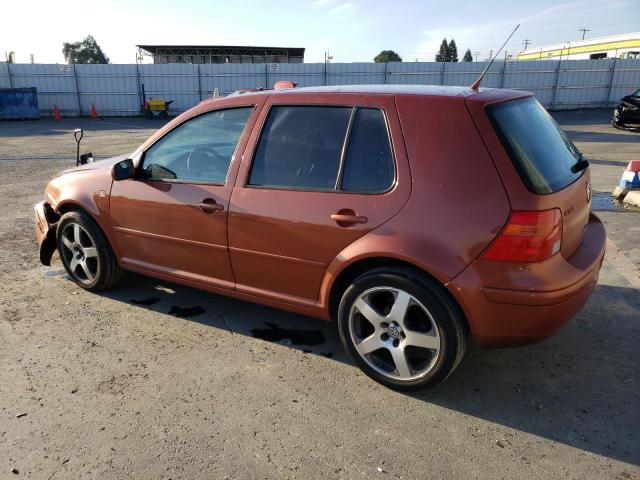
(393,331)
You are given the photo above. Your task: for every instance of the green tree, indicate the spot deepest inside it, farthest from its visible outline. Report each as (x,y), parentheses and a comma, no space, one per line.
(386,56)
(443,54)
(453,51)
(467,56)
(86,51)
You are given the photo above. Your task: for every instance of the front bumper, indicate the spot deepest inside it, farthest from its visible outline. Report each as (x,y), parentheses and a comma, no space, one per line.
(45,234)
(510,304)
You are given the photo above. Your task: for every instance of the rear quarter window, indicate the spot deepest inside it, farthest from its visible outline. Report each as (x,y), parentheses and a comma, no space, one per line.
(540,150)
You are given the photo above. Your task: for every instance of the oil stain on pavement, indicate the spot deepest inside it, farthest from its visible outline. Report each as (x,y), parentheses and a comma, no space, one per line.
(146,301)
(275,333)
(186,312)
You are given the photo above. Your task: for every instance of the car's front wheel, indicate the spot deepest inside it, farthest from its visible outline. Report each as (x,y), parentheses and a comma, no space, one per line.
(402,329)
(85,252)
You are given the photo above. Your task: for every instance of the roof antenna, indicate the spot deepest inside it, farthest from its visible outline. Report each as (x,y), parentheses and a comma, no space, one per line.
(474,86)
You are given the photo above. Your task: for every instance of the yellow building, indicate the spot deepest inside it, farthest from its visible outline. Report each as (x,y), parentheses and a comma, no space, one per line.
(615,46)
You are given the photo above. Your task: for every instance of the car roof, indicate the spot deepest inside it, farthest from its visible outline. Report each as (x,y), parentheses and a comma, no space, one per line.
(426,90)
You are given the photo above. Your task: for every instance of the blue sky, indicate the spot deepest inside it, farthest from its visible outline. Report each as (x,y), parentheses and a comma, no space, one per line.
(352,30)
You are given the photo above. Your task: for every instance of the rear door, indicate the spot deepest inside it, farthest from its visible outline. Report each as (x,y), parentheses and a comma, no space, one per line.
(320,171)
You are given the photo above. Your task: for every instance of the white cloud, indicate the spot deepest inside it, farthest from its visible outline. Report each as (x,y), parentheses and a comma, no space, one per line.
(342,9)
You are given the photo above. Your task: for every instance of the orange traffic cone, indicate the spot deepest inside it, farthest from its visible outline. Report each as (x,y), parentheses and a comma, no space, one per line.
(94,114)
(56,112)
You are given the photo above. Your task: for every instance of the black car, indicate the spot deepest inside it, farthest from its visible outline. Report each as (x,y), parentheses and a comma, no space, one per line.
(627,114)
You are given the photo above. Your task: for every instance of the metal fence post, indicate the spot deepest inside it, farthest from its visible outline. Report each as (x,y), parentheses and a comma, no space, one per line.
(75,75)
(504,67)
(555,86)
(325,74)
(139,83)
(266,75)
(442,73)
(199,83)
(385,72)
(9,73)
(613,74)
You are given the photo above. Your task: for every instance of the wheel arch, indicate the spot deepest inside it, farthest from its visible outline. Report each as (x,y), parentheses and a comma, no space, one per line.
(351,271)
(70,205)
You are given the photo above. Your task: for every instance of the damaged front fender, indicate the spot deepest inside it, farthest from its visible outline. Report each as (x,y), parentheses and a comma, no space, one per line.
(45,233)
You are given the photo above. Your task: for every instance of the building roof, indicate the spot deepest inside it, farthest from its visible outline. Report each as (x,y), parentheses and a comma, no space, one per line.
(292,51)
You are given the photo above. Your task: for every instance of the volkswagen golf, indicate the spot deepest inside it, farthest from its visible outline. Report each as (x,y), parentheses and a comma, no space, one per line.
(419,219)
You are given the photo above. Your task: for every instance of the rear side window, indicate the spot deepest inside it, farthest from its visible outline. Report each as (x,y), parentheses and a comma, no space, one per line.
(300,147)
(324,148)
(369,163)
(537,146)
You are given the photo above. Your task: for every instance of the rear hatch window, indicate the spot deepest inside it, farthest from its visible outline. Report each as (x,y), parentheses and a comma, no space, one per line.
(539,149)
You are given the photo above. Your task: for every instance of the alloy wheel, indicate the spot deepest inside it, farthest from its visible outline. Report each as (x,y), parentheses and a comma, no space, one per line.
(394,333)
(79,253)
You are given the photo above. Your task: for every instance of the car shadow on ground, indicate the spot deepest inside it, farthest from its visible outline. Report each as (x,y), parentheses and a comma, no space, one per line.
(580,388)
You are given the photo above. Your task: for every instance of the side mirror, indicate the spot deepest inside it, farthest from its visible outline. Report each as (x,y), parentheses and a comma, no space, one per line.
(123,170)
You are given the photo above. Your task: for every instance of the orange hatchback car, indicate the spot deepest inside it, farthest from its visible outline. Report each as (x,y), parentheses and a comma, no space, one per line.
(418,218)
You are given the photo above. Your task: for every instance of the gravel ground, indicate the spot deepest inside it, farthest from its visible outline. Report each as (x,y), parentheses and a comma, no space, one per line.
(154,380)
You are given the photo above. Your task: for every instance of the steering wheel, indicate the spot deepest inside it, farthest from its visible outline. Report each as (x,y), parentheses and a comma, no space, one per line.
(201,159)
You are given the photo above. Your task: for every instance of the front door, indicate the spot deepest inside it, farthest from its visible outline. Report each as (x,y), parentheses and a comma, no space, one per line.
(172,217)
(316,176)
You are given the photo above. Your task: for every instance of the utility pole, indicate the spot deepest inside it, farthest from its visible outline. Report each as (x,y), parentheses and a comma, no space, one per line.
(476,55)
(583,30)
(490,54)
(526,42)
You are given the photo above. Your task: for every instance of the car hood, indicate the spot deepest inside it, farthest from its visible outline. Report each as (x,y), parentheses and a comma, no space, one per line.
(100,165)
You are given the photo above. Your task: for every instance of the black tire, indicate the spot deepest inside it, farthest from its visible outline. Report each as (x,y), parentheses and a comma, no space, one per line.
(103,265)
(445,315)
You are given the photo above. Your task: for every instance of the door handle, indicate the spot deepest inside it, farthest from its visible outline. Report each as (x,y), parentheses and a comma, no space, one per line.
(348,218)
(210,206)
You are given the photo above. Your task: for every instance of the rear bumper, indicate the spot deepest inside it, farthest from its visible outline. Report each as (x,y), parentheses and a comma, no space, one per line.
(512,304)
(45,234)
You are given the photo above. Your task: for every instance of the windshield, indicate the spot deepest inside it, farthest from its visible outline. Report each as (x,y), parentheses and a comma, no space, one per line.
(539,149)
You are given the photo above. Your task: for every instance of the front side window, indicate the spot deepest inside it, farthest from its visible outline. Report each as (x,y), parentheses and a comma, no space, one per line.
(199,150)
(324,148)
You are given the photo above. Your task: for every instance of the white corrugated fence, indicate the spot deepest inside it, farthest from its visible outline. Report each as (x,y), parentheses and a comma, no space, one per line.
(116,90)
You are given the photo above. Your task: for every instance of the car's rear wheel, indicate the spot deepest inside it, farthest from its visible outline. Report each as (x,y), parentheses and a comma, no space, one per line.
(402,329)
(85,252)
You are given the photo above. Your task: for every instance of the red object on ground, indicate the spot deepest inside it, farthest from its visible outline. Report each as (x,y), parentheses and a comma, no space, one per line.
(634,166)
(94,113)
(56,112)
(284,84)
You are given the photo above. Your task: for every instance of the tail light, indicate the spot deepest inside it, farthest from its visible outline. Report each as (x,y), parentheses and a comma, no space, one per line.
(528,236)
